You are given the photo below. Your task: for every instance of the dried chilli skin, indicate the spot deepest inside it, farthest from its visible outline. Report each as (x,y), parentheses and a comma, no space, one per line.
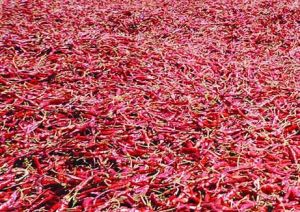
(151,105)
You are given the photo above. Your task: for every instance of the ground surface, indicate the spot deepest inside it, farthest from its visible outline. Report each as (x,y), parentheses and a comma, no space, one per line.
(149,105)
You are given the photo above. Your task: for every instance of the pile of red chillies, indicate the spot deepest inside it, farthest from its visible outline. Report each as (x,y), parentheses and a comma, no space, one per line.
(153,105)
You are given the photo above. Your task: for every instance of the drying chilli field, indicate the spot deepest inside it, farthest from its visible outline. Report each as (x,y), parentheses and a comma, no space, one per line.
(150,105)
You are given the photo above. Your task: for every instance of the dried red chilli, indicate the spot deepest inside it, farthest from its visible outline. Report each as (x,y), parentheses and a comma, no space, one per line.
(150,106)
(10,204)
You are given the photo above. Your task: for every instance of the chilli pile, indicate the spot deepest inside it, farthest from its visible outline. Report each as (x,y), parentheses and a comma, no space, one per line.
(151,105)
